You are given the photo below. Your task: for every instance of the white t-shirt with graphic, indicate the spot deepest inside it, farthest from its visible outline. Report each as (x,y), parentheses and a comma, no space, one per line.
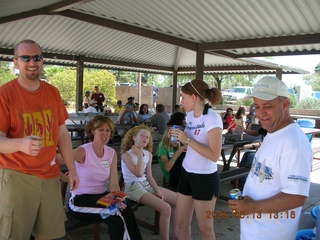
(282,164)
(197,128)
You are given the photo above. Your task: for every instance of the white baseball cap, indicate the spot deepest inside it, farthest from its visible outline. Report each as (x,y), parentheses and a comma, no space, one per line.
(268,88)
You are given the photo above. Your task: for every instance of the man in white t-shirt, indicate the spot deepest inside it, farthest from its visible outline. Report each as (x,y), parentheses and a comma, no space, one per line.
(279,180)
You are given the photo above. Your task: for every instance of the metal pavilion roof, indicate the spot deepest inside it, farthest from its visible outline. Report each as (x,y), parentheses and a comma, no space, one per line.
(164,35)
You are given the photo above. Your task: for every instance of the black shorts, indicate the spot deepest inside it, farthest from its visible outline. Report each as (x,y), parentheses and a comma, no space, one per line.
(199,186)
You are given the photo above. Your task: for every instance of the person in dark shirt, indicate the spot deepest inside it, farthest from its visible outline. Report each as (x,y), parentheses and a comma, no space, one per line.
(99,98)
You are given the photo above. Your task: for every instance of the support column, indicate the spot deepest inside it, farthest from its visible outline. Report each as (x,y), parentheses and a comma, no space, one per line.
(279,73)
(199,65)
(174,88)
(79,86)
(139,88)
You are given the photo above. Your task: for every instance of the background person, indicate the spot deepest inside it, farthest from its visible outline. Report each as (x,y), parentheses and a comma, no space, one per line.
(99,98)
(96,164)
(199,181)
(119,107)
(86,100)
(171,153)
(251,117)
(136,160)
(31,128)
(228,120)
(239,118)
(279,180)
(91,108)
(160,119)
(144,113)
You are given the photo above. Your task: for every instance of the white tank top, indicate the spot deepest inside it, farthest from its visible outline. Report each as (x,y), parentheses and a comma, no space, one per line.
(128,176)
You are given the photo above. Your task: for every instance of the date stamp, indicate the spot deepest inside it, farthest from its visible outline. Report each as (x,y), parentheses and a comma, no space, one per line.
(287,214)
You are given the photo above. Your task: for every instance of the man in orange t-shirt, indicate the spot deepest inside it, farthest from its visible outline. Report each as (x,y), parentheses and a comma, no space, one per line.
(31,128)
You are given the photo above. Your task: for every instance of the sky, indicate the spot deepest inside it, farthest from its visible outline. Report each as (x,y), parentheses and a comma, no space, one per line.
(305,62)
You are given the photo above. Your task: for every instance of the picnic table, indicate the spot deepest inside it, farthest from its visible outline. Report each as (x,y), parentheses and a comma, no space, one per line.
(236,144)
(77,121)
(311,130)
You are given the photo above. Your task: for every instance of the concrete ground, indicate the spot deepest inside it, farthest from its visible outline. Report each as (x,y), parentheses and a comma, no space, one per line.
(226,228)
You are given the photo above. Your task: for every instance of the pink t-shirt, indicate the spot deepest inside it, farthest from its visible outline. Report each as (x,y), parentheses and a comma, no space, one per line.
(94,173)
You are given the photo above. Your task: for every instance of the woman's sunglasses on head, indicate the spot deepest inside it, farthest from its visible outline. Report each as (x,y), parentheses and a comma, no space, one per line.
(36,58)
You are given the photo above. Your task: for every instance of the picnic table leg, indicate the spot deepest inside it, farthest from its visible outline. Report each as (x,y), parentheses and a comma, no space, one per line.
(223,159)
(233,152)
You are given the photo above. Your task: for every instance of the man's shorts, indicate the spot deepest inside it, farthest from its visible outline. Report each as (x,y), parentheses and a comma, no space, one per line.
(29,204)
(199,186)
(136,190)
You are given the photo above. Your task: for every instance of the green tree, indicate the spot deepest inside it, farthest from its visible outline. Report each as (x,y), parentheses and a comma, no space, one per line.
(309,103)
(64,78)
(227,81)
(5,72)
(313,80)
(102,78)
(230,81)
(157,80)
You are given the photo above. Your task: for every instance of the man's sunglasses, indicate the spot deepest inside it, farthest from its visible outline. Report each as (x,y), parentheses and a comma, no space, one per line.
(36,58)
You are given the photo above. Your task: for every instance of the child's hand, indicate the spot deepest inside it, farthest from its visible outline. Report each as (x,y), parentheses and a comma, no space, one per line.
(137,151)
(159,194)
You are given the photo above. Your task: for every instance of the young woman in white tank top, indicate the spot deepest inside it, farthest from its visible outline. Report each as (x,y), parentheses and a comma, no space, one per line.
(140,185)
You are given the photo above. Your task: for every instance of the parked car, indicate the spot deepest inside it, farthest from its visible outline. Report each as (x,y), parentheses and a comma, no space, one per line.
(236,94)
(127,84)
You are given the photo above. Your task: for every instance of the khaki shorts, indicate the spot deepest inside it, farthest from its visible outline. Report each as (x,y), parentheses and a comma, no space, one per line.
(29,204)
(137,189)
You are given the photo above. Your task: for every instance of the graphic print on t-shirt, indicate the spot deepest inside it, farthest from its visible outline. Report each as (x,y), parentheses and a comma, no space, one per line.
(39,124)
(195,130)
(261,170)
(105,163)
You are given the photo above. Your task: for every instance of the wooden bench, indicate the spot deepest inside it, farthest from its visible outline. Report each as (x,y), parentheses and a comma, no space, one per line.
(73,223)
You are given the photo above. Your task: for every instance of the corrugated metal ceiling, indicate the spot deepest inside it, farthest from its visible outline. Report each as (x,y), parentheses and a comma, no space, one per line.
(200,21)
(63,35)
(215,20)
(305,47)
(9,7)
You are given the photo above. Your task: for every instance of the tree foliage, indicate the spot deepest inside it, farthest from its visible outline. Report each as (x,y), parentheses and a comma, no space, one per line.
(6,73)
(102,78)
(64,78)
(308,103)
(157,80)
(227,81)
(313,80)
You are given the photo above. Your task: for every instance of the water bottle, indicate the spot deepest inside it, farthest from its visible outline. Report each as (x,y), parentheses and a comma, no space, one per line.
(173,138)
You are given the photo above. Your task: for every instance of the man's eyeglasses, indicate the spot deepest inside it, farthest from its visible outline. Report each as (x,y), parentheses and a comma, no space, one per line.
(36,58)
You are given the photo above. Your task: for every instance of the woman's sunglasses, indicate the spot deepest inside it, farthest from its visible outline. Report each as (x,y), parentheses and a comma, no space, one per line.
(36,58)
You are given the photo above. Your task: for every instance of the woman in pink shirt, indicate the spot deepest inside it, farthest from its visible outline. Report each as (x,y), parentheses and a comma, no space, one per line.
(96,164)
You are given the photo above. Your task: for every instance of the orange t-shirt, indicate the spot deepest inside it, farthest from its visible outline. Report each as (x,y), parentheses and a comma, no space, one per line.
(39,113)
